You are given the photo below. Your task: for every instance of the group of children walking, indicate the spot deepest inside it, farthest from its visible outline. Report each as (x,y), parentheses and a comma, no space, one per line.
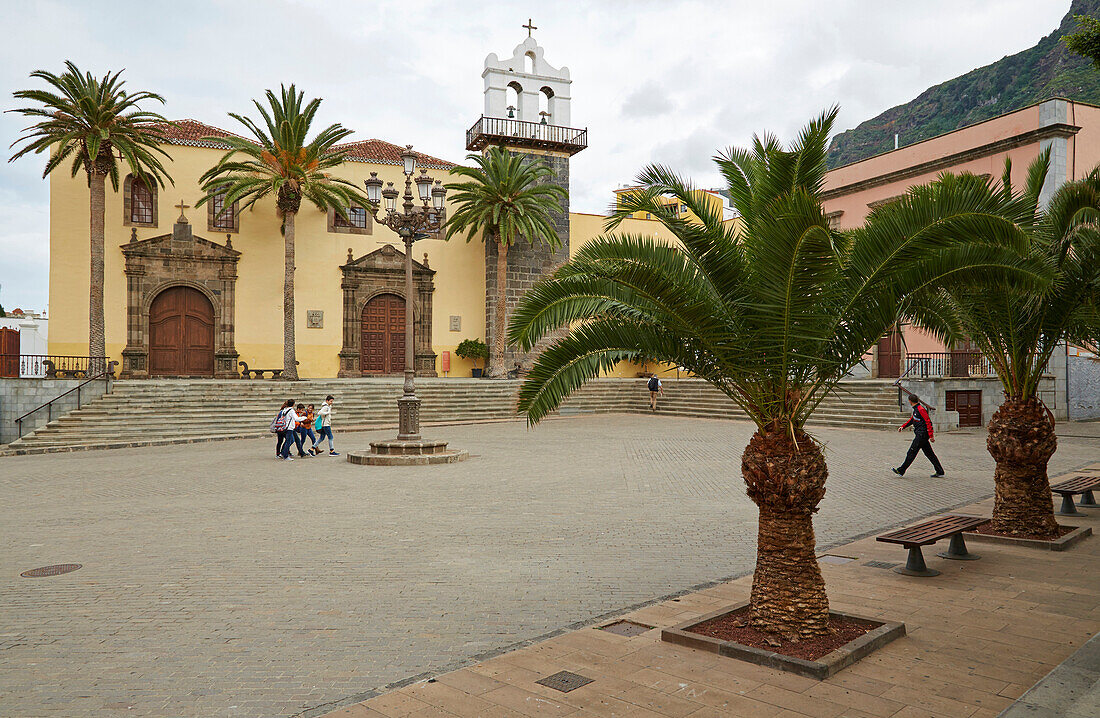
(297,422)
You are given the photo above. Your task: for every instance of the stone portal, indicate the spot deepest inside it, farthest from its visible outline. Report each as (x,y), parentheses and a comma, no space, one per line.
(180,294)
(374,315)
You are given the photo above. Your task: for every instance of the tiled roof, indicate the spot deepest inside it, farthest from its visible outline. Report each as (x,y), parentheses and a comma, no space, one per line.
(191,133)
(386,153)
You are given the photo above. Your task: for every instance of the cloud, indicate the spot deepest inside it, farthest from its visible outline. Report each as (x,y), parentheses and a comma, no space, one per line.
(652,81)
(650,100)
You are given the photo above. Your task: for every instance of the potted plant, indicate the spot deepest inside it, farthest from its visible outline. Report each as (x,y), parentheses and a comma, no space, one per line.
(473,349)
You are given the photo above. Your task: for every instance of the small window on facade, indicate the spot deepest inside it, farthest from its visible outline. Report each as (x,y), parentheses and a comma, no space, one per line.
(224,218)
(141,202)
(648,215)
(356,219)
(683,208)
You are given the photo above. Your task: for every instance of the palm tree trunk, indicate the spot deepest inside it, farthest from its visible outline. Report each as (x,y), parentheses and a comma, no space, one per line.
(290,364)
(786,480)
(496,364)
(97,342)
(1021,441)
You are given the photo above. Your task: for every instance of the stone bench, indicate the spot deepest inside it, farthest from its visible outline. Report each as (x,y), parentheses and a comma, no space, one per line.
(247,373)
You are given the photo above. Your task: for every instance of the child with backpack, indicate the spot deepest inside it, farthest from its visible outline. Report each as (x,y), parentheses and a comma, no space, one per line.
(306,429)
(323,424)
(283,426)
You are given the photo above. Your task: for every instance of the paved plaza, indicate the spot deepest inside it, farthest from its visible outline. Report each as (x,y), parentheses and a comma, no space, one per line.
(219,582)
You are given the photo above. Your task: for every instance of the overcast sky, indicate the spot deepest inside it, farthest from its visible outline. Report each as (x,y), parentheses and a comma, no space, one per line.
(652,81)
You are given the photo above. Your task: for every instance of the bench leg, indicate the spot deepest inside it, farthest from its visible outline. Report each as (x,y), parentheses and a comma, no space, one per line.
(956,550)
(1068,509)
(1087,501)
(915,566)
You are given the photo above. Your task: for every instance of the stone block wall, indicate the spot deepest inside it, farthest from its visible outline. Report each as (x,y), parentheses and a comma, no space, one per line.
(1084,387)
(528,262)
(18,396)
(933,391)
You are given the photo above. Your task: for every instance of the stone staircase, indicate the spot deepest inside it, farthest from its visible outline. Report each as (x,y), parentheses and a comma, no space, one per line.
(150,412)
(857,404)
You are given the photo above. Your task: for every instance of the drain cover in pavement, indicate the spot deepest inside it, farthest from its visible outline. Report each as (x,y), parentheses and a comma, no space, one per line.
(833,558)
(50,570)
(626,628)
(564,681)
(881,564)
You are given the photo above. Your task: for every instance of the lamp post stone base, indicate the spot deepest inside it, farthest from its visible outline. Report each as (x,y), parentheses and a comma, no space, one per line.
(407,453)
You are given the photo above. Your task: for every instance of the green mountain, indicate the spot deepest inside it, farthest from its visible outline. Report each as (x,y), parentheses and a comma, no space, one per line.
(1049,69)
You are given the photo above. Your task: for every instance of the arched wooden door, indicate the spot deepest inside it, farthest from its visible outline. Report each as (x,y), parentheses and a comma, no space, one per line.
(181,334)
(382,344)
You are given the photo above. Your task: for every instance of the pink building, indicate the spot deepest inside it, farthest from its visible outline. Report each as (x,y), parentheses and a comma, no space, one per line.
(1070,129)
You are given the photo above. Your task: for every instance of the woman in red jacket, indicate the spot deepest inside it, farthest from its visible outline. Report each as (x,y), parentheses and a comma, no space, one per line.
(922,439)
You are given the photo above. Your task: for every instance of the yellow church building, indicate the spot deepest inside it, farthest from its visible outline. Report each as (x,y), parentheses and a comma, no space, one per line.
(194,293)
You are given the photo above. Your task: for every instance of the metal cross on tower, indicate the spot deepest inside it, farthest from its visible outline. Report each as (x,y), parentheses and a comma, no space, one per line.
(529,27)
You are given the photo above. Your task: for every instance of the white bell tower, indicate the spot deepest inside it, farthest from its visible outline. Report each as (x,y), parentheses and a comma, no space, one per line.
(530,76)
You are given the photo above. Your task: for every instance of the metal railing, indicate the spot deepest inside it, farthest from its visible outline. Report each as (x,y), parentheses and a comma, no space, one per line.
(51,366)
(106,376)
(522,132)
(954,365)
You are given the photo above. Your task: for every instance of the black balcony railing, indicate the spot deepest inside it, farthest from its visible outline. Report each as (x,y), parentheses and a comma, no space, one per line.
(956,364)
(51,366)
(496,130)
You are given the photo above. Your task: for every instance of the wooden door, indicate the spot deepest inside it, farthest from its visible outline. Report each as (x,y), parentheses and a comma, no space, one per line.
(962,358)
(889,355)
(969,406)
(181,334)
(382,344)
(9,352)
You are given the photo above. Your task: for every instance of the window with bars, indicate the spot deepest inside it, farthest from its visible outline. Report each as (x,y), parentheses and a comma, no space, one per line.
(141,202)
(222,217)
(356,219)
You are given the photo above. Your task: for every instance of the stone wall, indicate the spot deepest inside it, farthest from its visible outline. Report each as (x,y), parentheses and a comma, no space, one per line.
(933,391)
(528,262)
(18,396)
(1084,387)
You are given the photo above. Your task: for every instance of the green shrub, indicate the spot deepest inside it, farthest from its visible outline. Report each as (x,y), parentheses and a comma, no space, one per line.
(473,349)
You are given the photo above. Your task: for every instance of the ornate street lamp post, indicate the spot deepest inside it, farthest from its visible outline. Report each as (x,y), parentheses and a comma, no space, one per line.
(411,223)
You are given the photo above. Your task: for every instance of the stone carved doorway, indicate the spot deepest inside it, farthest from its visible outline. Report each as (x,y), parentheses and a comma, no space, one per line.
(181,333)
(180,298)
(374,315)
(382,346)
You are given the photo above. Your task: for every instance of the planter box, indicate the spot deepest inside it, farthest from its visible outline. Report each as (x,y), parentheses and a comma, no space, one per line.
(1058,544)
(820,668)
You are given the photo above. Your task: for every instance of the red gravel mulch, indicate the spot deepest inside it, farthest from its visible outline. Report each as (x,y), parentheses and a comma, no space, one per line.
(987,529)
(725,628)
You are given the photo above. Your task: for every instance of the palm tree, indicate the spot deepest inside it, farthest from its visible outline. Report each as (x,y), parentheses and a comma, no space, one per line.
(96,123)
(283,162)
(773,313)
(505,198)
(1018,328)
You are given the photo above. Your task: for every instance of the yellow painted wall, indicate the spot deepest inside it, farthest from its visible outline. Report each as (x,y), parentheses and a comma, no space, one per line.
(459,283)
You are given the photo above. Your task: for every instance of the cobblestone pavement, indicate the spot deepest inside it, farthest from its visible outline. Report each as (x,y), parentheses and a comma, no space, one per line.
(219,582)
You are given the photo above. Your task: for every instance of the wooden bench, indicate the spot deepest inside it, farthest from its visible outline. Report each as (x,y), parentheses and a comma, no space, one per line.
(929,532)
(258,373)
(1083,485)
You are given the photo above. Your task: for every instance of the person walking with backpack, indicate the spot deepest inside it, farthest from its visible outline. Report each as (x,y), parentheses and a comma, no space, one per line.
(323,424)
(923,438)
(288,429)
(307,431)
(278,427)
(300,425)
(655,388)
